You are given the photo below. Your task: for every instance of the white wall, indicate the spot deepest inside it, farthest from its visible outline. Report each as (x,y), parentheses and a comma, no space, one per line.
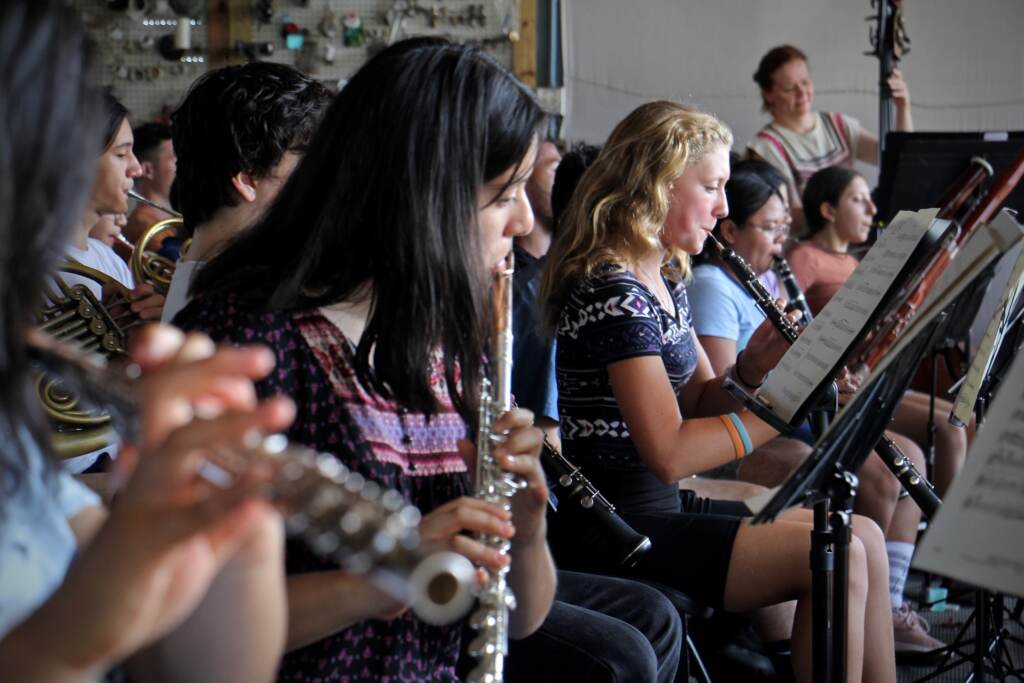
(965,69)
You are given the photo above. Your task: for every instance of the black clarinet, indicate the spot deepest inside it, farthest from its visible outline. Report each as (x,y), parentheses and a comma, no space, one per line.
(919,488)
(762,297)
(570,485)
(792,287)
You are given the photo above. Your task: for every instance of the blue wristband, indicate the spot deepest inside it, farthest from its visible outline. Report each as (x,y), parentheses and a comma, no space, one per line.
(742,430)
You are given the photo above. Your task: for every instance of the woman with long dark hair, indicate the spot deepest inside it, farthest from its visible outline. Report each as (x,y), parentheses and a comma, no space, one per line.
(370,278)
(191,570)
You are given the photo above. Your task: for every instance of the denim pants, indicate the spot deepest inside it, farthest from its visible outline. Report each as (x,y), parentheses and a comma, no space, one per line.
(601,629)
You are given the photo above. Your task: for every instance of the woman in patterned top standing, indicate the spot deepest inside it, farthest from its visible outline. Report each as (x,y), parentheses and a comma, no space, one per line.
(370,279)
(636,388)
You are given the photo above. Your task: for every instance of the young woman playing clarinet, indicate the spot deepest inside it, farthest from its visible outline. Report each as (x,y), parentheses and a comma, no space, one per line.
(640,406)
(725,315)
(370,278)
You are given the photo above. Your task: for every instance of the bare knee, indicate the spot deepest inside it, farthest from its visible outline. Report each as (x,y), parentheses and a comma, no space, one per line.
(873,540)
(868,532)
(858,569)
(878,481)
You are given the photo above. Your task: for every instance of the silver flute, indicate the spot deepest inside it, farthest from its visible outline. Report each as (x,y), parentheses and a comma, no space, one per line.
(367,529)
(149,202)
(496,486)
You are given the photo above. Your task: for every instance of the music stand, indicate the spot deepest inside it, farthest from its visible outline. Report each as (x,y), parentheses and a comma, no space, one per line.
(990,635)
(913,164)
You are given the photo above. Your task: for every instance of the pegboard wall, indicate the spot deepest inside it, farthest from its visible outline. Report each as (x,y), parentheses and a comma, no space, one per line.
(325,42)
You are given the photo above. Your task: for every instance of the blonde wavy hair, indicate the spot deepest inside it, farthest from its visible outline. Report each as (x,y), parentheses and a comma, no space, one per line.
(618,210)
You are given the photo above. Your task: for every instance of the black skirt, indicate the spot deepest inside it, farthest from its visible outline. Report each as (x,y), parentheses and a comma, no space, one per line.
(691,537)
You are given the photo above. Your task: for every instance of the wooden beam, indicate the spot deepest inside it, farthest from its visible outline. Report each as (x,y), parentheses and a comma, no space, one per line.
(218,42)
(524,50)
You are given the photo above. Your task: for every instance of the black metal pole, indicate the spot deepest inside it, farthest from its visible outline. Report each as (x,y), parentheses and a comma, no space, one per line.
(821,592)
(844,490)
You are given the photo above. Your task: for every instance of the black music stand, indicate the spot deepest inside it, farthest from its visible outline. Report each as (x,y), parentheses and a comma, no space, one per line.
(826,477)
(914,164)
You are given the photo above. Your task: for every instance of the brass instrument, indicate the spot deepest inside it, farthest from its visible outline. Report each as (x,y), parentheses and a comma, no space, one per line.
(368,530)
(494,485)
(149,202)
(150,267)
(74,315)
(146,265)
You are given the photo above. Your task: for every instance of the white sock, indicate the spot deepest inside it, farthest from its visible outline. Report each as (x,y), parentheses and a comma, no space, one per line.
(900,554)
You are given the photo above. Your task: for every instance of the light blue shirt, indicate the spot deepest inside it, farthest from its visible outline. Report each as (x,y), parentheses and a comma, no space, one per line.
(721,307)
(36,542)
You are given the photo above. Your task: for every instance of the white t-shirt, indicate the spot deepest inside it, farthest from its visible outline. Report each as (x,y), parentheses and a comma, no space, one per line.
(98,256)
(36,542)
(177,294)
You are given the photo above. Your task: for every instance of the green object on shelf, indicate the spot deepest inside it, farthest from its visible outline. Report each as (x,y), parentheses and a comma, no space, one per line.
(937,598)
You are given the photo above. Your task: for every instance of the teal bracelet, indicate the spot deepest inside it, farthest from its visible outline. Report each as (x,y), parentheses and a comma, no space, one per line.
(742,430)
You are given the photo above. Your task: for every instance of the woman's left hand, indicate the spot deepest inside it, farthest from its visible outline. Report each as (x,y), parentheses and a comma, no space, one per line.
(898,87)
(519,454)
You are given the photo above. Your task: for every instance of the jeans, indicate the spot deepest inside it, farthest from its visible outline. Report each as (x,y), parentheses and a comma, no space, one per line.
(601,628)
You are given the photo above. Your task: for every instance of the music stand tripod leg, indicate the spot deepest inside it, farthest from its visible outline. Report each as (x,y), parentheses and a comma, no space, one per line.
(844,490)
(822,567)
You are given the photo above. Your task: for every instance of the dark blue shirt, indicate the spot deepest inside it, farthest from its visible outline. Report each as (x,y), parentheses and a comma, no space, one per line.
(610,317)
(533,352)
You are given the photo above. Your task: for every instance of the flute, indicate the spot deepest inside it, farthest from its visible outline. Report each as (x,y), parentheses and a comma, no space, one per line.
(495,485)
(367,529)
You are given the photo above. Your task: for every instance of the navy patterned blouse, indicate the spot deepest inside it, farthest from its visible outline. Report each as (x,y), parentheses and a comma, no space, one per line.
(368,435)
(613,316)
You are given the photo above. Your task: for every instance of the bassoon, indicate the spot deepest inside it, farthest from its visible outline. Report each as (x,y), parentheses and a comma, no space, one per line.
(876,345)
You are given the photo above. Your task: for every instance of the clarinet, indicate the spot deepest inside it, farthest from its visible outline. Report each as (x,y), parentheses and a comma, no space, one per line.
(494,485)
(367,529)
(570,483)
(792,287)
(762,297)
(919,488)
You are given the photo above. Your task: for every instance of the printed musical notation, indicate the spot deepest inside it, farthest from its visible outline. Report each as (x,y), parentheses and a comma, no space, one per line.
(829,336)
(999,325)
(976,535)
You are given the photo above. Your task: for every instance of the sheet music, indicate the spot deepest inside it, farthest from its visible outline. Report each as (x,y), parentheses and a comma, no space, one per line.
(976,535)
(807,363)
(967,396)
(983,246)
